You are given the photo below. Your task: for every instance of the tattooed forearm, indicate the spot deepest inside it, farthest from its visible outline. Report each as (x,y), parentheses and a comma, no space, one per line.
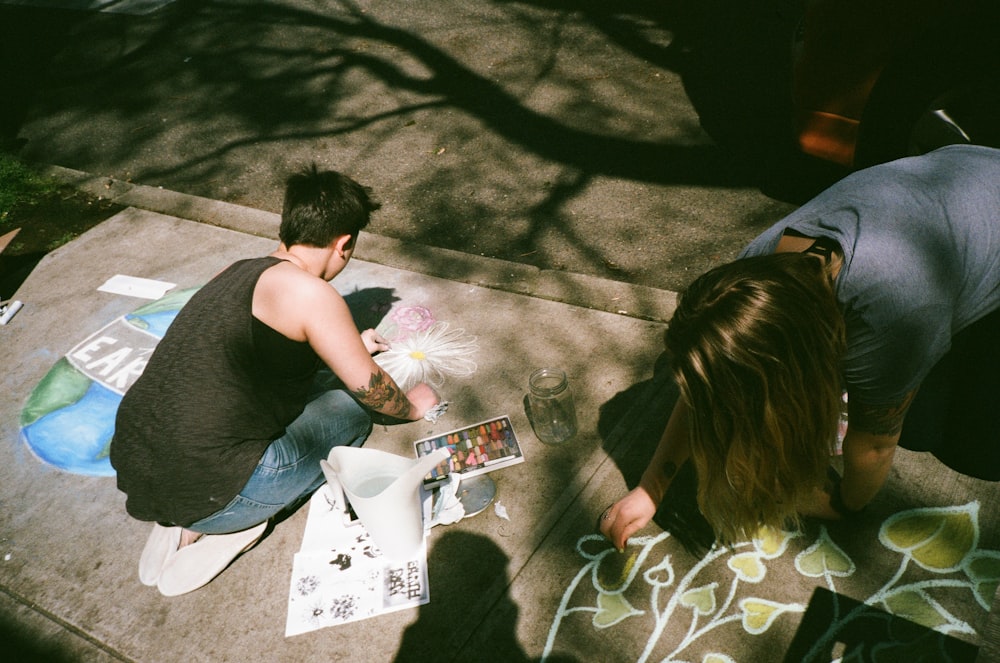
(669,469)
(383,395)
(879,419)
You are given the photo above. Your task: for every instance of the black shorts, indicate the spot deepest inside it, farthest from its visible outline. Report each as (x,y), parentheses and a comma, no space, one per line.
(956,413)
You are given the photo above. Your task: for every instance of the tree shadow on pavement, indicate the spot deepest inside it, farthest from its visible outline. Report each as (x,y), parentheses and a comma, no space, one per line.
(483,150)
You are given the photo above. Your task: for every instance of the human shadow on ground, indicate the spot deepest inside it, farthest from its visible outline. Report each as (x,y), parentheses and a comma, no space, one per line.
(837,627)
(23,643)
(735,61)
(14,270)
(369,305)
(471,609)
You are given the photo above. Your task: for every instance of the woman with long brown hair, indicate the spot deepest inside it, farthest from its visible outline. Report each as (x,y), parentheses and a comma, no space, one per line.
(887,286)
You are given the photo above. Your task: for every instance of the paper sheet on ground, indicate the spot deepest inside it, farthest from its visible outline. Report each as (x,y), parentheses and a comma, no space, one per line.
(133,286)
(340,576)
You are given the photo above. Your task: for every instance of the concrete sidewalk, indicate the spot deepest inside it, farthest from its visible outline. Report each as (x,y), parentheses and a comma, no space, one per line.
(68,577)
(536,586)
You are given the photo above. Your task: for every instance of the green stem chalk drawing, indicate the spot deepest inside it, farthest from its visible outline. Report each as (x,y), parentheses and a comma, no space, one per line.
(939,556)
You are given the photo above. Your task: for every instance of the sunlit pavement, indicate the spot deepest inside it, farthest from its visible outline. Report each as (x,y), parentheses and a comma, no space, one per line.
(550,177)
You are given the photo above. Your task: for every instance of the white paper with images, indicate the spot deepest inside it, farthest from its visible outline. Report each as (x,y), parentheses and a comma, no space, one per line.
(340,576)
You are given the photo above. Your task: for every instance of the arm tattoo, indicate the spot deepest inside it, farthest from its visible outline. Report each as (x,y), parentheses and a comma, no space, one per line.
(669,469)
(879,419)
(384,395)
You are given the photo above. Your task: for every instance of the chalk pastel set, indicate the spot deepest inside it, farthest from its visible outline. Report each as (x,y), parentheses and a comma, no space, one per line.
(483,447)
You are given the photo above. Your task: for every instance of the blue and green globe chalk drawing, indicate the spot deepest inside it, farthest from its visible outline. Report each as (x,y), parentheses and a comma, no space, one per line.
(69,418)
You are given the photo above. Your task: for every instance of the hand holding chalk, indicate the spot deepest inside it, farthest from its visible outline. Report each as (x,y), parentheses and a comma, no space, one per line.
(374,342)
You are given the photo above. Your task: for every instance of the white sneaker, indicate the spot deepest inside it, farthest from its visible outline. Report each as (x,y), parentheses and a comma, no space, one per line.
(160,545)
(195,565)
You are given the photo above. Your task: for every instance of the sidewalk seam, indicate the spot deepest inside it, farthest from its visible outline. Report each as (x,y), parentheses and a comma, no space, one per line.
(70,628)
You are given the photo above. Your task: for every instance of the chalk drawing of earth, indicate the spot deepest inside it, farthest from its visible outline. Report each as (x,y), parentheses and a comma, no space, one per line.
(69,418)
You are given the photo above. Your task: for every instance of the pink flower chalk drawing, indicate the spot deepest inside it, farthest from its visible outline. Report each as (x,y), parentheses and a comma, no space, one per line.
(409,320)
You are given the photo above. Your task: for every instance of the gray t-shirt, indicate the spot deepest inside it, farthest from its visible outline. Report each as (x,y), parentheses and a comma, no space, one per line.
(921,243)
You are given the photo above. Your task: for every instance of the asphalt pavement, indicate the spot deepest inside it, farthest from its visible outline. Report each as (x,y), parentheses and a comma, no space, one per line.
(641,143)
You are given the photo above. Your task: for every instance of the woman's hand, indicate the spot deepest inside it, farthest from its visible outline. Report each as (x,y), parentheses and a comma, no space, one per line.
(634,511)
(423,398)
(627,516)
(374,342)
(817,505)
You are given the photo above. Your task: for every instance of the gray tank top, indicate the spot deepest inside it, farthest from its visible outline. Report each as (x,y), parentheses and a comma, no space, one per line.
(218,389)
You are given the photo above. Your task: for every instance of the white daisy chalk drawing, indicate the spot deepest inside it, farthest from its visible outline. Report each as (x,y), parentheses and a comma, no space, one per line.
(429,355)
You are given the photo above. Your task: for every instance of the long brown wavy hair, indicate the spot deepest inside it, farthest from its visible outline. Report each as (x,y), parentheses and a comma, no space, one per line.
(756,347)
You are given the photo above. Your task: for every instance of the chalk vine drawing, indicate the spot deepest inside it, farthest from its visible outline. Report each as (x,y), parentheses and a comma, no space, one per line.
(942,541)
(424,349)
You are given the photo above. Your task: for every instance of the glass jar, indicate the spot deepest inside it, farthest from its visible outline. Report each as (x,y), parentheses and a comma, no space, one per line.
(551,410)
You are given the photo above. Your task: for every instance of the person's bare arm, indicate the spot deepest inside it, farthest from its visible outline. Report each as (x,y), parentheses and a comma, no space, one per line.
(634,511)
(869,447)
(306,308)
(384,395)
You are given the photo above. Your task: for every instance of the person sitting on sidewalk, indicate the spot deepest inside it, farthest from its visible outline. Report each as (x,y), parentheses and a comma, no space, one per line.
(227,424)
(887,282)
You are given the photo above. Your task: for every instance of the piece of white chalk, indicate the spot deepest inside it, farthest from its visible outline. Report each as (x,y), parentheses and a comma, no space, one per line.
(9,311)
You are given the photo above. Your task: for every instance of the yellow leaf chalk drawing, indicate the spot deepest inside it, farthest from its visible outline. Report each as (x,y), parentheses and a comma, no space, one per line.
(983,569)
(759,614)
(717,658)
(615,571)
(937,539)
(701,600)
(824,559)
(747,566)
(772,543)
(611,609)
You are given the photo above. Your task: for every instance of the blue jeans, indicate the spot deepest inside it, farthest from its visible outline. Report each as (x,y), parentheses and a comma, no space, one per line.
(289,471)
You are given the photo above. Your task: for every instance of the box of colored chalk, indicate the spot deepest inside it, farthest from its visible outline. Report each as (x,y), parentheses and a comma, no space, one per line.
(475,449)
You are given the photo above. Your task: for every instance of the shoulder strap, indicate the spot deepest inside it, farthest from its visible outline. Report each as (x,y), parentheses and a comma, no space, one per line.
(823,247)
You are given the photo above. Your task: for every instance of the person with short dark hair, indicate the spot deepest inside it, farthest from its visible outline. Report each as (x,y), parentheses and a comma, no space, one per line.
(886,286)
(226,426)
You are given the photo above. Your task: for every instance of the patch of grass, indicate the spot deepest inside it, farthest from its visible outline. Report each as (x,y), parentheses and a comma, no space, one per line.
(48,214)
(20,186)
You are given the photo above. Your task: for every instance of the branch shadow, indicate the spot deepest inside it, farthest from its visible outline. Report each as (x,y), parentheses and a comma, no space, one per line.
(202,88)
